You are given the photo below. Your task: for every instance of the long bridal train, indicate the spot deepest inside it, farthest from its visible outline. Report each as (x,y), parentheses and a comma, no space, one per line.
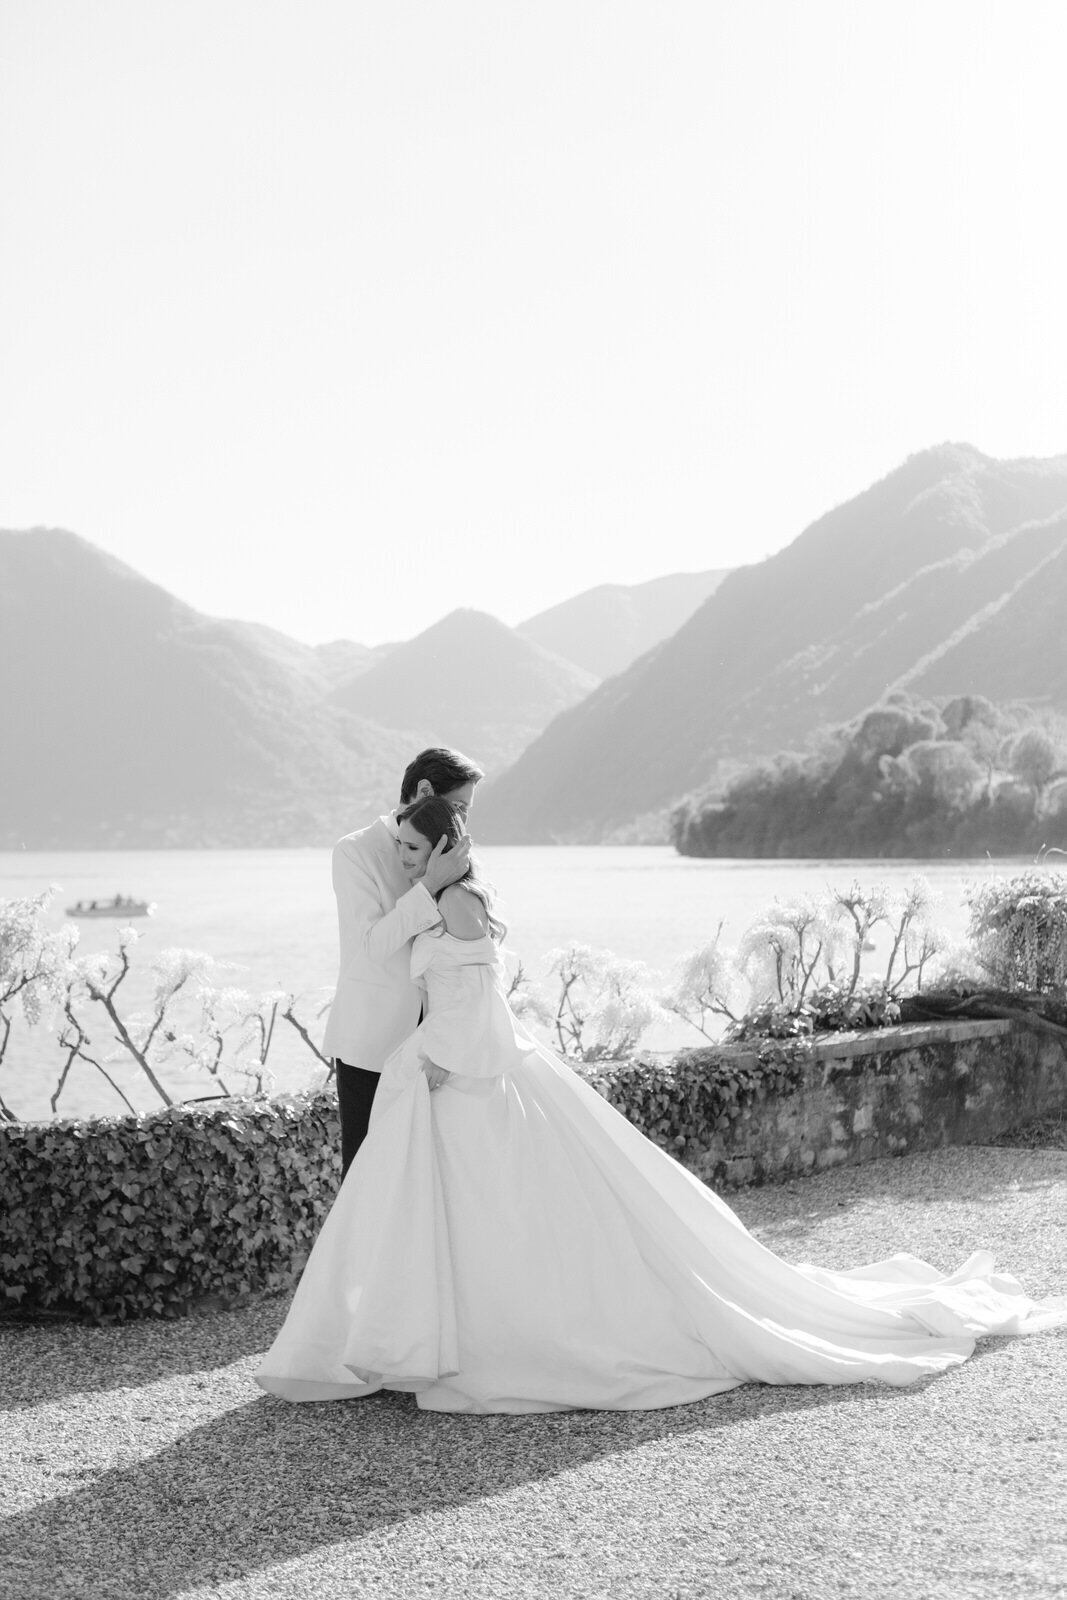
(511,1243)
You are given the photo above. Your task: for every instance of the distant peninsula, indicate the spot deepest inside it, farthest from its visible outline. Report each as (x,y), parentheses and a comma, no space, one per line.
(910,778)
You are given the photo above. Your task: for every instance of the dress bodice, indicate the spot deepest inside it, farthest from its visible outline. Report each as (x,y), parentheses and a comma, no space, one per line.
(445,955)
(468,1026)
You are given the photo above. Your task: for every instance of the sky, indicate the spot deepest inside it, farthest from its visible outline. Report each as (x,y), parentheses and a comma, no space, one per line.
(339,314)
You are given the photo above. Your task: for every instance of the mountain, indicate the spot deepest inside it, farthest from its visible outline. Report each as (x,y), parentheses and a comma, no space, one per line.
(606,628)
(343,659)
(1013,642)
(133,720)
(471,682)
(130,719)
(947,577)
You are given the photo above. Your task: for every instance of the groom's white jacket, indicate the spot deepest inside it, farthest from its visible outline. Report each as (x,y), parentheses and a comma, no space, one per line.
(379,912)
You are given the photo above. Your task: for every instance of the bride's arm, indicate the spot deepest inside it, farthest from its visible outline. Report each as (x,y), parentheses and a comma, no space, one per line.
(465,917)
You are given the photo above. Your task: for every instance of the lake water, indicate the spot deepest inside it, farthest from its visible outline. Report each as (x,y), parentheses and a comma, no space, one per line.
(271,914)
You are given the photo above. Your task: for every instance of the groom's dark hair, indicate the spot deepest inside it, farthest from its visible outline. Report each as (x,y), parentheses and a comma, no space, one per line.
(444,769)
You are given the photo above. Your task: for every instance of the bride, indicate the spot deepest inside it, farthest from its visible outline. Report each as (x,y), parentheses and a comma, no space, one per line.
(506,1241)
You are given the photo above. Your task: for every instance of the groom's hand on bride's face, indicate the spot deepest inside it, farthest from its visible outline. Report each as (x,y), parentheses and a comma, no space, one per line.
(447,866)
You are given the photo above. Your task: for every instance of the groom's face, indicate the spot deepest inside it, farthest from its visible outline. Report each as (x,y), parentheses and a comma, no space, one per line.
(462,798)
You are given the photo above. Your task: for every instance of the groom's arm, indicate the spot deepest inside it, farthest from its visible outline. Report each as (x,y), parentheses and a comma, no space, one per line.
(380,933)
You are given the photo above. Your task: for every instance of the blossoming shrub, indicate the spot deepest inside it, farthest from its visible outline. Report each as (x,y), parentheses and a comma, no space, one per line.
(602,1004)
(798,968)
(195,1018)
(145,1215)
(33,964)
(1018,930)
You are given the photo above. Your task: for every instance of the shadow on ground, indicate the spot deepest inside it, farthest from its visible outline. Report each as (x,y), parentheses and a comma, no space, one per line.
(48,1359)
(268,1482)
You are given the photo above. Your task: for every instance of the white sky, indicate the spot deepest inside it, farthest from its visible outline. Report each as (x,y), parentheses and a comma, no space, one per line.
(337,314)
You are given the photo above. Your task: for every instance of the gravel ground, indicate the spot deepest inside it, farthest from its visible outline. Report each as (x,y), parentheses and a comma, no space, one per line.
(142,1462)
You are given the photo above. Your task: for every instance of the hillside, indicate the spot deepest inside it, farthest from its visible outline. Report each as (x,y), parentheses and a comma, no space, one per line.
(132,719)
(943,577)
(471,682)
(344,659)
(605,629)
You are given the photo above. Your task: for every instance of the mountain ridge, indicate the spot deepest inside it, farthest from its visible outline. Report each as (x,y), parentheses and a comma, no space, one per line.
(741,678)
(471,682)
(135,720)
(605,628)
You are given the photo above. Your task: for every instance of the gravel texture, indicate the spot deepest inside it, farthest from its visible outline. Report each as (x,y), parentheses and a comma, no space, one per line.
(142,1461)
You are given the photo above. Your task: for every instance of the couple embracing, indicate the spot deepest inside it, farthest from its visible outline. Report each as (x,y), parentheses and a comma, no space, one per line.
(503,1240)
(383,902)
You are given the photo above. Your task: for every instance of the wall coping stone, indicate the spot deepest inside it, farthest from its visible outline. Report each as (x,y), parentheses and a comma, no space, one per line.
(906,1036)
(891,1040)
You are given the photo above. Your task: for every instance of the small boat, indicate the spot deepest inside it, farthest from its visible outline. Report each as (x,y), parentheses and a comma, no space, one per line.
(121,905)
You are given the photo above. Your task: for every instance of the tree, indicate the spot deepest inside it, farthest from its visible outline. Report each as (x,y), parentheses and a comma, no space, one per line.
(1035,760)
(947,766)
(888,730)
(965,710)
(604,1004)
(34,963)
(707,983)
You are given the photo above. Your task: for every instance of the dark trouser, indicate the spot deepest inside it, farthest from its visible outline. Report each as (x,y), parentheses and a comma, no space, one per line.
(355,1091)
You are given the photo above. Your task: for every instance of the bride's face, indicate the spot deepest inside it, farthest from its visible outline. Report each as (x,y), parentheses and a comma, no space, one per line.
(414,851)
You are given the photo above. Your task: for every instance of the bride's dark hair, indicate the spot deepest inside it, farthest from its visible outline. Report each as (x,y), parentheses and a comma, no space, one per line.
(432,816)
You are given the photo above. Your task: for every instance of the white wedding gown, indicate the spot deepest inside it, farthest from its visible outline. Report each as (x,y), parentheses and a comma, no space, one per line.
(509,1242)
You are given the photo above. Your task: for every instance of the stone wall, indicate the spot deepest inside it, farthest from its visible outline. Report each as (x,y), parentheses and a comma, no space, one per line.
(887,1091)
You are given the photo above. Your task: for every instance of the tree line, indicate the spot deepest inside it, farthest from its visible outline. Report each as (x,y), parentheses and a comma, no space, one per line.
(911,777)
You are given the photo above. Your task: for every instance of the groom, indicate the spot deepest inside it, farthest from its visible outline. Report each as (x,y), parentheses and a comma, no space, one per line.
(379,912)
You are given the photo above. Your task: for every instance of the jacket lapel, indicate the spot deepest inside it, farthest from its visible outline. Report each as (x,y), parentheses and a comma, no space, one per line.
(385,848)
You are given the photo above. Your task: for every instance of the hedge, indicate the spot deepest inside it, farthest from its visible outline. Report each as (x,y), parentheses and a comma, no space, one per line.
(143,1216)
(698,1092)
